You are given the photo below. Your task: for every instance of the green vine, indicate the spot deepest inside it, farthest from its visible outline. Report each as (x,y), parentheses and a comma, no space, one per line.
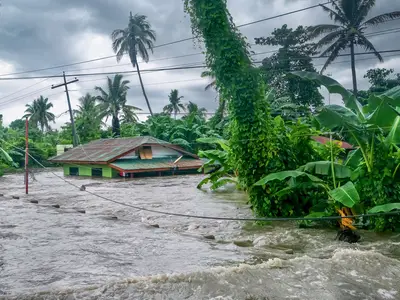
(253,134)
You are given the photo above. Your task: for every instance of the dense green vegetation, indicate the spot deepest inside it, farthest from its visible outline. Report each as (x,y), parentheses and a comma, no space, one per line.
(264,152)
(260,137)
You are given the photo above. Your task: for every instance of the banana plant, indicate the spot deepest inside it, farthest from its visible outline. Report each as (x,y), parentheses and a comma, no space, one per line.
(5,156)
(221,172)
(345,194)
(367,125)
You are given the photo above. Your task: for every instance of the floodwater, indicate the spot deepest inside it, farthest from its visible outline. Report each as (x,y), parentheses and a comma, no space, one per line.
(116,252)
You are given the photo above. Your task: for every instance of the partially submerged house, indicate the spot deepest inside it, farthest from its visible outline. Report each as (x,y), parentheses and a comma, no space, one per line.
(128,157)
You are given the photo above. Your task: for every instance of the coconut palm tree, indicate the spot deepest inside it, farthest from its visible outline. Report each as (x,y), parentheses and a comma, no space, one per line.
(88,118)
(210,75)
(175,106)
(193,108)
(38,113)
(135,40)
(128,113)
(221,102)
(113,101)
(350,16)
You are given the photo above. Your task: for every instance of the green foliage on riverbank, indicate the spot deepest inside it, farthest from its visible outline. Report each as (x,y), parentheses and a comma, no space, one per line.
(263,149)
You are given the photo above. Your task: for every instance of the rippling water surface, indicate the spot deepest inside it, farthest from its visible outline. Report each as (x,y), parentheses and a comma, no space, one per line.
(116,252)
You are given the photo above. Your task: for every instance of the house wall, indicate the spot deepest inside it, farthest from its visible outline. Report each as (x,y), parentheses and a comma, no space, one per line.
(66,170)
(86,170)
(157,152)
(131,155)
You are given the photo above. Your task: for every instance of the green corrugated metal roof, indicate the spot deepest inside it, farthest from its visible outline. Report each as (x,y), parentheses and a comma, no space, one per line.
(156,163)
(105,150)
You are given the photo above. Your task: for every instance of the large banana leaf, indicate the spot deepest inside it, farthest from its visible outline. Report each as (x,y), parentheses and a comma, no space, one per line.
(284,175)
(325,168)
(5,155)
(354,158)
(182,142)
(217,155)
(384,208)
(333,87)
(300,186)
(223,181)
(333,116)
(381,110)
(214,140)
(393,137)
(346,194)
(393,93)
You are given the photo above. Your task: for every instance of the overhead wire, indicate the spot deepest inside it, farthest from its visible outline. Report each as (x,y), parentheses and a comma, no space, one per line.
(156,83)
(139,208)
(386,31)
(161,69)
(165,44)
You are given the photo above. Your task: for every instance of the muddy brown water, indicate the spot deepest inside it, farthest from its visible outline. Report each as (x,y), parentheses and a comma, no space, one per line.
(114,252)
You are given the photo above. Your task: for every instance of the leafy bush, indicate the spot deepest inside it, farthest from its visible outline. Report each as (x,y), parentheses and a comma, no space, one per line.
(375,130)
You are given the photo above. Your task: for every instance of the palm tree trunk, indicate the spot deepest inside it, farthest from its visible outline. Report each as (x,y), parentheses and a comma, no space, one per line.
(143,90)
(353,68)
(175,114)
(116,126)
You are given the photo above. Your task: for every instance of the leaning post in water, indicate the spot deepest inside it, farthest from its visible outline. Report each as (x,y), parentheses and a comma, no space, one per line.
(26,155)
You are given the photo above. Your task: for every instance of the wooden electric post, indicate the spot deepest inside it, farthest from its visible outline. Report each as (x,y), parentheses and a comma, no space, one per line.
(26,155)
(65,84)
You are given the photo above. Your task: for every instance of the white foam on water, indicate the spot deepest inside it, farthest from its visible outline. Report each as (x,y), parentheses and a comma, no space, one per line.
(297,278)
(387,294)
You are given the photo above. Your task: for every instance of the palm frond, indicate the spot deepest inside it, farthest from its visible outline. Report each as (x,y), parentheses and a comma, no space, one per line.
(315,31)
(382,19)
(143,51)
(349,9)
(210,85)
(329,38)
(337,16)
(363,10)
(334,51)
(133,107)
(363,41)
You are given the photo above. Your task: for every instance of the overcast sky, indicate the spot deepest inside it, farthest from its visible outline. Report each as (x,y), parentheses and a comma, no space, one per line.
(45,33)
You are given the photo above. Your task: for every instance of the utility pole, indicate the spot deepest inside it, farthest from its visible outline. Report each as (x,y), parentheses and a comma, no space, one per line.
(26,154)
(65,84)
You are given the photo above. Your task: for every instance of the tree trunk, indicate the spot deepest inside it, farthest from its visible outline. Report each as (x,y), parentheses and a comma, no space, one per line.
(116,127)
(175,114)
(143,90)
(353,68)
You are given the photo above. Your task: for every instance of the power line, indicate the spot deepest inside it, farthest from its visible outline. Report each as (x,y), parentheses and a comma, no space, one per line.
(159,83)
(382,32)
(24,96)
(165,69)
(23,89)
(33,93)
(286,14)
(165,44)
(392,213)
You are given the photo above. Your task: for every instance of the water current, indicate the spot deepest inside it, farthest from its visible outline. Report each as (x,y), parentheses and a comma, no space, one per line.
(116,252)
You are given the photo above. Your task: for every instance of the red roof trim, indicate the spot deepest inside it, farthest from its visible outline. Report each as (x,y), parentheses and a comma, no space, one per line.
(324,140)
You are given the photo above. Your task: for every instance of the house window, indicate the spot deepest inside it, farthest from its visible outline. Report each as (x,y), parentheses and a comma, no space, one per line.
(97,172)
(145,152)
(73,171)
